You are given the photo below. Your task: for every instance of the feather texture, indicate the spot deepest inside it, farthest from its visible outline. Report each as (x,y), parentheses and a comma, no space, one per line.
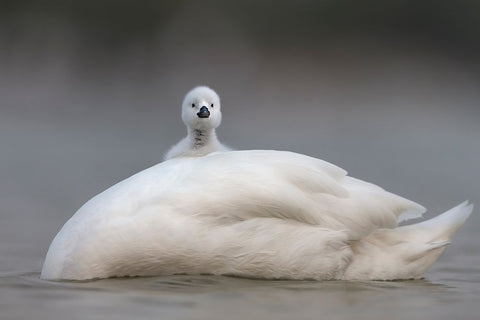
(259,213)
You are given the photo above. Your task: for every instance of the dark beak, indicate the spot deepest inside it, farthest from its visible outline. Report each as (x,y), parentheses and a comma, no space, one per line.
(203,113)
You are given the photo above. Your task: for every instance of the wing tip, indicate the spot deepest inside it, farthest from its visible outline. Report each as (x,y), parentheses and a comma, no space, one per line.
(414,212)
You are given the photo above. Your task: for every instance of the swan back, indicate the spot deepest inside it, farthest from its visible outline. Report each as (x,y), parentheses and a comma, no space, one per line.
(185,214)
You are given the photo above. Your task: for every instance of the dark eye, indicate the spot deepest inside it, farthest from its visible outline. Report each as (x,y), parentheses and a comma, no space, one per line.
(193,105)
(211,105)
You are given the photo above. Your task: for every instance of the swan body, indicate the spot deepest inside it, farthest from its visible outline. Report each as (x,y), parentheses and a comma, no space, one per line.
(260,214)
(201,113)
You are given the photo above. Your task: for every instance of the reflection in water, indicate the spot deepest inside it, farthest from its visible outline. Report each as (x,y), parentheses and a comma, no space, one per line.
(199,296)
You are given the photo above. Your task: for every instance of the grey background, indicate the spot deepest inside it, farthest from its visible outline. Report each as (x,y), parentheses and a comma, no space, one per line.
(90,93)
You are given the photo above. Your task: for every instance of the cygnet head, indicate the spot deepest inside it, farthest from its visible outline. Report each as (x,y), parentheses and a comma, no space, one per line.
(201,109)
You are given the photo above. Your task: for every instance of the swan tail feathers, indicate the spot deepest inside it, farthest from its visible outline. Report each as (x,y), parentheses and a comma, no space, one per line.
(450,221)
(405,252)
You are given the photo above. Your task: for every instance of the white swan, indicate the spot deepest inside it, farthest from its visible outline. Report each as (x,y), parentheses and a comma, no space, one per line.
(201,113)
(262,214)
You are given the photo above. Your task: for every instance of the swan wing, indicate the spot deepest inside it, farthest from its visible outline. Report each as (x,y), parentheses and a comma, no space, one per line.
(228,187)
(218,199)
(235,186)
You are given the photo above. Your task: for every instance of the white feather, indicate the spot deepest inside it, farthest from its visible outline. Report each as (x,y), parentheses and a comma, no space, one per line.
(201,136)
(263,214)
(405,252)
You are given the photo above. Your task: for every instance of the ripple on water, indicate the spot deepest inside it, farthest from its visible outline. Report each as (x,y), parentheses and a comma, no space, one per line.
(219,297)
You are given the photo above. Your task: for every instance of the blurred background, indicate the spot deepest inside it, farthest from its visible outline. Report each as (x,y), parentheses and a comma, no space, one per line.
(90,93)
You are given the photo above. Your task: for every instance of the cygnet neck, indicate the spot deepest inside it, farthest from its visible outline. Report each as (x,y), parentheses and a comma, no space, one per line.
(200,137)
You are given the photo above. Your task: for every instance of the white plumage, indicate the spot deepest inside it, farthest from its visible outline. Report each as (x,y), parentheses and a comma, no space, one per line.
(201,113)
(262,214)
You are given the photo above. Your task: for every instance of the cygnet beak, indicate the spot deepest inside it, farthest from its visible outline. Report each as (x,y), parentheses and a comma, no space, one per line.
(203,113)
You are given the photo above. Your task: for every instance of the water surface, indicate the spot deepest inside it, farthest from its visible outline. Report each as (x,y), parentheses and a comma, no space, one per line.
(215,297)
(49,171)
(78,114)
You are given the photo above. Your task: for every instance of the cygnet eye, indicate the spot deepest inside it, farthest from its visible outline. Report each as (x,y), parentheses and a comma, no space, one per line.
(193,105)
(211,105)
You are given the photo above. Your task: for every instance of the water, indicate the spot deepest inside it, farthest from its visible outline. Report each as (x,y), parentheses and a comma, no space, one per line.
(215,297)
(71,126)
(49,168)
